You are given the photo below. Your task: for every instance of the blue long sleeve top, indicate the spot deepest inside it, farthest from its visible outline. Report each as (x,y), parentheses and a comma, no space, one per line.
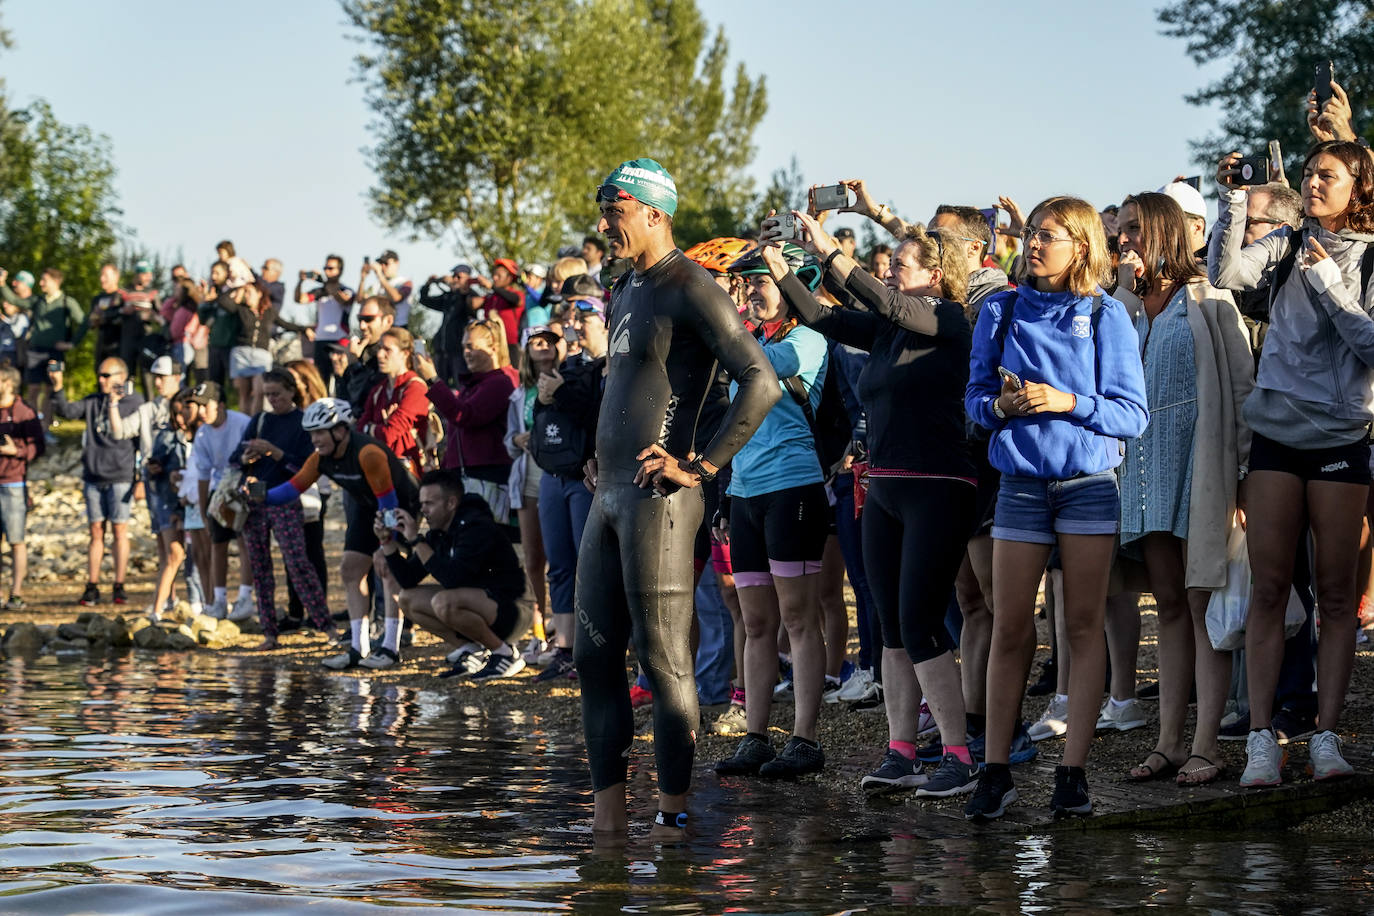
(1051,340)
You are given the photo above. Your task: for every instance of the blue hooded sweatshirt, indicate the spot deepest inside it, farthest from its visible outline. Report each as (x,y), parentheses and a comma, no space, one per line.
(1051,340)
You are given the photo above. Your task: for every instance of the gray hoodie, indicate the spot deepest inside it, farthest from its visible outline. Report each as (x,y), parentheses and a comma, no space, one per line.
(1315,387)
(982,283)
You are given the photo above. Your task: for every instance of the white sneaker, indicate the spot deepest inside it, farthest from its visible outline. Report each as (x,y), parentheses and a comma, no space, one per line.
(465,649)
(1263,759)
(380,657)
(1324,756)
(783,692)
(859,685)
(533,649)
(219,610)
(925,723)
(1122,718)
(197,609)
(244,608)
(1053,722)
(151,613)
(831,693)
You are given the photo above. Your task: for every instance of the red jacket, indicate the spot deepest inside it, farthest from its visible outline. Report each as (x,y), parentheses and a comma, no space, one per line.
(393,416)
(509,304)
(477,419)
(20,423)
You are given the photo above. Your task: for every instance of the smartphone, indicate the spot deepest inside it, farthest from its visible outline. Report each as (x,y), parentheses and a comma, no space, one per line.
(420,347)
(367,259)
(389,518)
(1321,82)
(1195,181)
(1276,172)
(257,490)
(1009,376)
(786,226)
(1252,170)
(990,216)
(56,365)
(830,197)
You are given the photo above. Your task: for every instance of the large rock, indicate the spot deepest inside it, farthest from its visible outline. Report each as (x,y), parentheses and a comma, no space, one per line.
(71,631)
(137,624)
(151,638)
(227,631)
(100,629)
(86,617)
(81,644)
(23,639)
(180,640)
(120,636)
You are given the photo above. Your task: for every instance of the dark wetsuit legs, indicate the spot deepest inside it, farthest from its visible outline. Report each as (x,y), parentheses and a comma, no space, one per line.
(914,535)
(634,580)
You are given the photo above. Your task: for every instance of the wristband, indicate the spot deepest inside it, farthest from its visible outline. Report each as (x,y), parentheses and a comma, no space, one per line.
(696,468)
(830,259)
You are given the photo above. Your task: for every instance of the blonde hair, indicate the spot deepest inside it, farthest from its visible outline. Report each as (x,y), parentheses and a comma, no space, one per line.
(308,381)
(946,254)
(495,329)
(564,268)
(1092,268)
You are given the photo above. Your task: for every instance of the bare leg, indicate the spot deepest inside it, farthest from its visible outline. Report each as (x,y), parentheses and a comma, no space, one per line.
(730,596)
(975,638)
(830,590)
(1213,682)
(1087,566)
(1060,632)
(532,544)
(1336,510)
(759,604)
(901,696)
(1164,559)
(1275,512)
(939,678)
(121,551)
(19,568)
(1017,569)
(167,575)
(95,551)
(800,610)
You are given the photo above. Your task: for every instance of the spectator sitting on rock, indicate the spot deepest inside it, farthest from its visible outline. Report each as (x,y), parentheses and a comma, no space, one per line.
(21,441)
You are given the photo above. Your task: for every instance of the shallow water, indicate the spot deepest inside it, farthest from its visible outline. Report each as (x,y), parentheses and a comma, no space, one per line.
(210,783)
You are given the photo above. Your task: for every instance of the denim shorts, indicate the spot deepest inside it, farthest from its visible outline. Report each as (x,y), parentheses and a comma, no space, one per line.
(1033,510)
(14,512)
(109,502)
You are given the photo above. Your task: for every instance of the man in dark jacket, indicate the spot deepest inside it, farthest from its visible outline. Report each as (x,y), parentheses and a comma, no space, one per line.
(473,604)
(451,295)
(107,470)
(375,317)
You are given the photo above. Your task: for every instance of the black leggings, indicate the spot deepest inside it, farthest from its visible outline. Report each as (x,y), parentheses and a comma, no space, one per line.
(915,532)
(634,580)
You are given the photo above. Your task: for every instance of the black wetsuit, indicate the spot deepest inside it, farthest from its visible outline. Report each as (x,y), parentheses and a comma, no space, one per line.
(669,327)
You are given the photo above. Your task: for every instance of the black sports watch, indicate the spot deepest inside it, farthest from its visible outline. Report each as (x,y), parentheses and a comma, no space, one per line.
(698,469)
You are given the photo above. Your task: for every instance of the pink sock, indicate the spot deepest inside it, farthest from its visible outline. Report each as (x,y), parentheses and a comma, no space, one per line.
(905,748)
(960,751)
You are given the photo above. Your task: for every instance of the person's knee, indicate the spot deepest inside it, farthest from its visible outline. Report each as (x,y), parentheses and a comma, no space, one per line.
(759,625)
(1269,590)
(1083,629)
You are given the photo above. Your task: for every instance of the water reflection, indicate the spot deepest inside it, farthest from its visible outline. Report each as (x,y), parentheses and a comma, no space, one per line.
(192,783)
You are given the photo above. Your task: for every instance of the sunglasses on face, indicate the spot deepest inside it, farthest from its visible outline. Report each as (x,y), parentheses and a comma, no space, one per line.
(366,318)
(111,374)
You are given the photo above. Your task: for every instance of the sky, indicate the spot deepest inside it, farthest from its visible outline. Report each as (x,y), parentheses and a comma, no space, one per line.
(248,122)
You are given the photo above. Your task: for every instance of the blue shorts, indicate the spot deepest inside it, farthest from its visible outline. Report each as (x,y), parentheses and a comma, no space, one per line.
(1033,510)
(14,512)
(109,502)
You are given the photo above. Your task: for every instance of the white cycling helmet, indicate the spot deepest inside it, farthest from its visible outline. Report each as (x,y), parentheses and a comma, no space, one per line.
(327,413)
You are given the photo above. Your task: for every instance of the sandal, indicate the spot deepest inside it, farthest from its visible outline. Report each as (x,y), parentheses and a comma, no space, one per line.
(1191,778)
(1144,772)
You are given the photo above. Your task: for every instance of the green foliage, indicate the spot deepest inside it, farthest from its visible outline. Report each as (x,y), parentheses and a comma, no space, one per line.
(496,121)
(1273,47)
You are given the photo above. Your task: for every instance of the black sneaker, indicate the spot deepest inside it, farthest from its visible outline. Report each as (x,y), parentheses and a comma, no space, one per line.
(1291,725)
(954,777)
(560,668)
(90,596)
(894,774)
(1149,692)
(798,758)
(1070,793)
(752,752)
(1238,730)
(1049,674)
(932,751)
(994,792)
(499,665)
(117,594)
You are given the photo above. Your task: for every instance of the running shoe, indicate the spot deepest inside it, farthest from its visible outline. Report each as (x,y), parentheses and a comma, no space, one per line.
(994,792)
(499,665)
(1053,722)
(351,658)
(219,610)
(1264,758)
(859,686)
(640,697)
(1122,718)
(831,693)
(933,751)
(559,668)
(1149,692)
(954,777)
(1045,684)
(117,594)
(925,722)
(244,608)
(1070,793)
(533,649)
(752,752)
(465,653)
(380,657)
(90,596)
(731,722)
(1324,757)
(783,692)
(1291,725)
(15,603)
(894,774)
(1023,749)
(798,758)
(871,700)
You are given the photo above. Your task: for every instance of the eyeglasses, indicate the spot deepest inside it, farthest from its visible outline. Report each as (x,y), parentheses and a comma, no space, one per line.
(939,246)
(111,374)
(1263,221)
(609,193)
(366,318)
(1042,237)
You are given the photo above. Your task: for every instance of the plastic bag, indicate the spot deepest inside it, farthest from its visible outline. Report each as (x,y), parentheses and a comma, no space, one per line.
(1228,607)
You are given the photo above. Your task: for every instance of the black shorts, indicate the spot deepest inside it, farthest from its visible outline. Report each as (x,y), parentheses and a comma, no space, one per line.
(779,533)
(358,534)
(1341,464)
(218,533)
(507,615)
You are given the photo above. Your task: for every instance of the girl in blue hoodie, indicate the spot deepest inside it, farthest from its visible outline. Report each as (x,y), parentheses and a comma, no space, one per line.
(1055,373)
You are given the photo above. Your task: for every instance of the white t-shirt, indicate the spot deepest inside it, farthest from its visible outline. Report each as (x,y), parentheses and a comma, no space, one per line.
(329,315)
(402,285)
(212,446)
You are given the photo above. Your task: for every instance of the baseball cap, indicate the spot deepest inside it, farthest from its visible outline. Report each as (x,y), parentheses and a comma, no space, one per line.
(461,269)
(24,277)
(143,267)
(1187,197)
(537,270)
(541,330)
(508,264)
(844,233)
(333,346)
(206,392)
(388,255)
(162,366)
(580,286)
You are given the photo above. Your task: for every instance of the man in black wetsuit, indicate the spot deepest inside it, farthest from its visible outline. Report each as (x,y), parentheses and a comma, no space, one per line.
(671,325)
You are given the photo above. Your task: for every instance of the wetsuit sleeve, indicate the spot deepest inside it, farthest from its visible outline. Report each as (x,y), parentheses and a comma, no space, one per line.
(1119,407)
(1231,264)
(713,315)
(984,384)
(857,329)
(293,488)
(377,471)
(1342,305)
(408,570)
(926,315)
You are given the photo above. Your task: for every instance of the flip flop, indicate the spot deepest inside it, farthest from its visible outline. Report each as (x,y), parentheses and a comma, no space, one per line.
(1150,772)
(1192,779)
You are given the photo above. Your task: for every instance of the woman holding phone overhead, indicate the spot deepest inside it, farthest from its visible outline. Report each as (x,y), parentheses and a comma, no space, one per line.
(1310,412)
(1056,375)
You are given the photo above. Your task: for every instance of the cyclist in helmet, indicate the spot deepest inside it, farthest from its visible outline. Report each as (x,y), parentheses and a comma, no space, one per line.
(376,482)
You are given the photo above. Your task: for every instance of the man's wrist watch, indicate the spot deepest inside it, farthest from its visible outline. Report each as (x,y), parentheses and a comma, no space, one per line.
(997,409)
(697,468)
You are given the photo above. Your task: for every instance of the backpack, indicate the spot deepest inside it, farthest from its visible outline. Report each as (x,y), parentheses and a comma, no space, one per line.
(558,443)
(1285,268)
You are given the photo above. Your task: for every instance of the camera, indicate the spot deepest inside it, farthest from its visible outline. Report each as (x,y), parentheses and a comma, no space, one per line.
(389,518)
(56,365)
(1252,170)
(786,226)
(830,197)
(314,275)
(367,259)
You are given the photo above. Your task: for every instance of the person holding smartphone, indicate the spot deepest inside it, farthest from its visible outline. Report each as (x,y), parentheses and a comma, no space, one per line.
(1310,412)
(1057,441)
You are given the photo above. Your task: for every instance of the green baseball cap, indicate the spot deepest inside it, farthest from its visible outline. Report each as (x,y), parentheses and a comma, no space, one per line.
(644,180)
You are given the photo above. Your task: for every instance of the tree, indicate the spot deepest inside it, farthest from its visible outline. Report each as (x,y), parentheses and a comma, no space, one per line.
(1273,48)
(496,121)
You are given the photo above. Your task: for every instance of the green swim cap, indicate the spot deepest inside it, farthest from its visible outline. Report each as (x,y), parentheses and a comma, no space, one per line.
(646,181)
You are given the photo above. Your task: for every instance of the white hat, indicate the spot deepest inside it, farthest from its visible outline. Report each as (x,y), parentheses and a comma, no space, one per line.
(1187,197)
(537,270)
(162,366)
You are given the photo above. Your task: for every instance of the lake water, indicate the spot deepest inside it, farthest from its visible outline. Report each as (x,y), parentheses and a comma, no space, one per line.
(212,783)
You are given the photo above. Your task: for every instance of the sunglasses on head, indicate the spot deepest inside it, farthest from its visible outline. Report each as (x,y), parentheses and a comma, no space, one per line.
(609,193)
